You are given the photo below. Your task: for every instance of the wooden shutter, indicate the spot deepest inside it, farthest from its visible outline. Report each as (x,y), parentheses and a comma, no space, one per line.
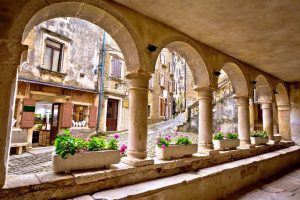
(66,116)
(27,119)
(93,116)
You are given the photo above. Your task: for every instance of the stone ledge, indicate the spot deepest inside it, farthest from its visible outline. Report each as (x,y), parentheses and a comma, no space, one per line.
(50,185)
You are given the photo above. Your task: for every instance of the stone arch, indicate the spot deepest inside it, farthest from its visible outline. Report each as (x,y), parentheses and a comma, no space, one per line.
(110,21)
(281,95)
(188,50)
(263,88)
(237,78)
(283,111)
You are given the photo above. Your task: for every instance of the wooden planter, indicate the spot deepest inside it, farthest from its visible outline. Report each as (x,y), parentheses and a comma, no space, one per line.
(259,140)
(226,144)
(85,160)
(175,151)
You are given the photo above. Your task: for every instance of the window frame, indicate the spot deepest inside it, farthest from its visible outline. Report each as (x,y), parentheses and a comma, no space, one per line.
(47,45)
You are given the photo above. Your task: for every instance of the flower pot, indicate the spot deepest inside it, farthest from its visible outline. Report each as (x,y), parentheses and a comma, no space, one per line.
(259,140)
(85,160)
(226,144)
(175,151)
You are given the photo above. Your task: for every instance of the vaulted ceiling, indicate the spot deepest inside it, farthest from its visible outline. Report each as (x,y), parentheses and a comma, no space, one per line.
(263,33)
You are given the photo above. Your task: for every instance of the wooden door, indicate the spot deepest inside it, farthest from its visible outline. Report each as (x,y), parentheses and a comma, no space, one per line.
(112,115)
(54,122)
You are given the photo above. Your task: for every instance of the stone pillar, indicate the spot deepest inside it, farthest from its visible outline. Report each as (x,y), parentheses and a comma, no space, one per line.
(284,121)
(205,131)
(137,137)
(243,121)
(251,114)
(267,109)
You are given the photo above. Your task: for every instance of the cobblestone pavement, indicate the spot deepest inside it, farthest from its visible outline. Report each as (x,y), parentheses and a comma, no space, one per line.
(280,187)
(39,159)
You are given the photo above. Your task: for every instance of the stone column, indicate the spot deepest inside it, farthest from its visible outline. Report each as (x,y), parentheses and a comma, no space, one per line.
(251,114)
(243,121)
(138,103)
(284,121)
(268,118)
(205,131)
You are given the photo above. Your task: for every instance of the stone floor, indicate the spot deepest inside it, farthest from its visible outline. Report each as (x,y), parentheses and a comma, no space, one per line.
(39,159)
(282,187)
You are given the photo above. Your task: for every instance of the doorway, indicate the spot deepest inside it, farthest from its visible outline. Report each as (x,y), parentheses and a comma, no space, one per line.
(54,122)
(112,115)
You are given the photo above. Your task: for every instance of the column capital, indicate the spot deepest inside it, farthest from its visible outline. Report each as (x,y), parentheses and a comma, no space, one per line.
(138,74)
(242,100)
(286,107)
(266,105)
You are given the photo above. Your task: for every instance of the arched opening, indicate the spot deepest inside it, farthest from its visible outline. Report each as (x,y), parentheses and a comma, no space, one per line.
(262,93)
(283,111)
(67,77)
(232,84)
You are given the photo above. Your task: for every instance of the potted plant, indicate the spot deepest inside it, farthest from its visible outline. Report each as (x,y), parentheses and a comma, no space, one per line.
(73,153)
(165,149)
(230,142)
(259,137)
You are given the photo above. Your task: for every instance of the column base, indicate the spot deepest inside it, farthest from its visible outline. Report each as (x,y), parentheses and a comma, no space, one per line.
(208,152)
(246,144)
(135,162)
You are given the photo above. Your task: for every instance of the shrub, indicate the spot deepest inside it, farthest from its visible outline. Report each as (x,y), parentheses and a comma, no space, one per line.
(259,133)
(65,144)
(183,141)
(219,136)
(232,136)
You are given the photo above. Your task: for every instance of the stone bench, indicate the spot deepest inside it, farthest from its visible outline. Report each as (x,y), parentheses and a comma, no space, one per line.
(19,147)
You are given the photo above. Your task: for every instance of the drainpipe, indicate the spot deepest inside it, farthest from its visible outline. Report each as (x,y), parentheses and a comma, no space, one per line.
(100,76)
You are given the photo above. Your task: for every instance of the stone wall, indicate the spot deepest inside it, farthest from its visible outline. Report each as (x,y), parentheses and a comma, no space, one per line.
(81,41)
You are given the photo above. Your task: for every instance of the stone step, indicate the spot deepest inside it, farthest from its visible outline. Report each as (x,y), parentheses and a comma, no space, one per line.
(208,183)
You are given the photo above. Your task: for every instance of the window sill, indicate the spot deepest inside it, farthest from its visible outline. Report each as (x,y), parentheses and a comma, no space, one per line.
(47,71)
(121,80)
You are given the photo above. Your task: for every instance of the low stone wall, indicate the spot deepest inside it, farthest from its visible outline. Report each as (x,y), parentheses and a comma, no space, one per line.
(49,185)
(210,183)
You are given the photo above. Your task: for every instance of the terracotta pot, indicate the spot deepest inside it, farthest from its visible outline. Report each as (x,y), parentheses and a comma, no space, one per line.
(85,160)
(175,151)
(259,140)
(226,144)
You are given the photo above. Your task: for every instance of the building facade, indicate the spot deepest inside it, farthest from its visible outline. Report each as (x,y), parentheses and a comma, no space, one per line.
(58,83)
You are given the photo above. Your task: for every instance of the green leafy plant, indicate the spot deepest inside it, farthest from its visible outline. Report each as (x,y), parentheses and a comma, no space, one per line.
(232,136)
(259,133)
(112,144)
(65,145)
(183,141)
(219,136)
(96,144)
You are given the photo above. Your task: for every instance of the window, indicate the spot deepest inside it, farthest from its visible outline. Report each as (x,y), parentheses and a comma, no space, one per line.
(162,59)
(116,68)
(149,110)
(162,106)
(151,83)
(162,79)
(79,116)
(53,55)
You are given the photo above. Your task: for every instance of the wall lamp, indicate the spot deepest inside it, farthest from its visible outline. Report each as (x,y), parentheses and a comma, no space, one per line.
(217,73)
(151,48)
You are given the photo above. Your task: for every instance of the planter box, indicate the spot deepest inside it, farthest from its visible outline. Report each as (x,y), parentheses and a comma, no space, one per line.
(259,140)
(226,144)
(175,151)
(85,160)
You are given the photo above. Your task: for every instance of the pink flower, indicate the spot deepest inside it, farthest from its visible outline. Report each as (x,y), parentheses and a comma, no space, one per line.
(163,146)
(123,148)
(116,136)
